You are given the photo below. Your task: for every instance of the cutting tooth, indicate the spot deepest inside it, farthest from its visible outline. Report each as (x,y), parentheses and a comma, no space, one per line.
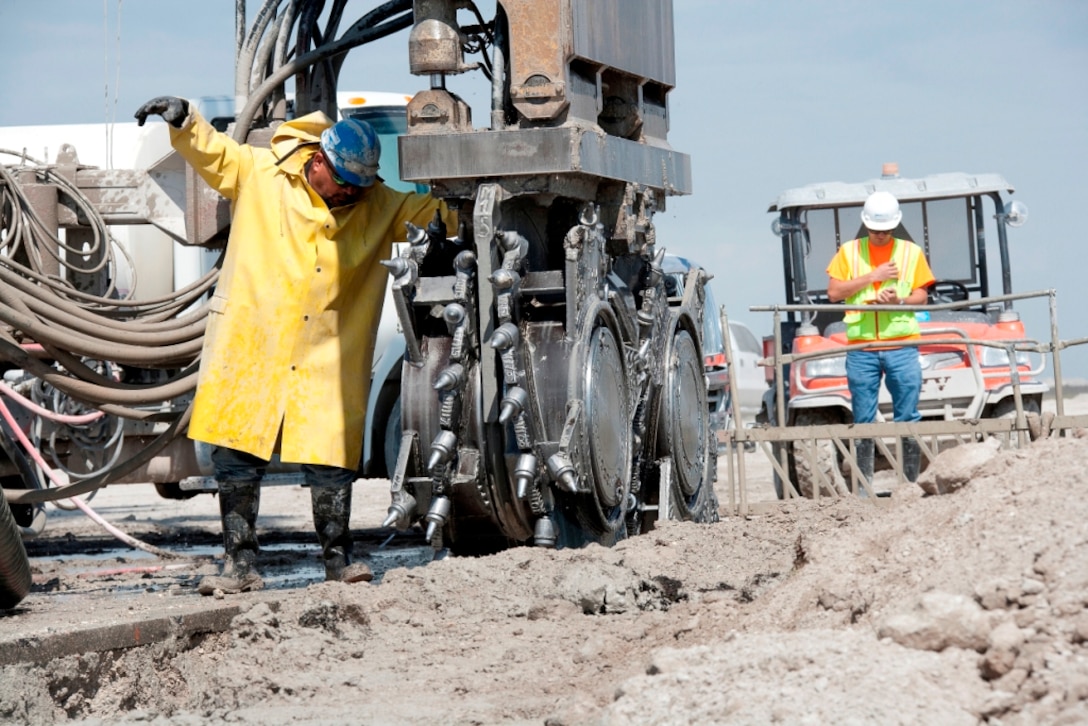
(442,449)
(525,474)
(504,337)
(451,378)
(513,403)
(563,473)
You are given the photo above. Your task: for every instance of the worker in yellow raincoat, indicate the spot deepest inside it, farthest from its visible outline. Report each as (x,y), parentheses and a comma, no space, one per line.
(290,339)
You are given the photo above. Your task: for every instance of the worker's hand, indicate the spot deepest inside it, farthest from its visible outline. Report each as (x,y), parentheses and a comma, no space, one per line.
(887,296)
(888,271)
(173,110)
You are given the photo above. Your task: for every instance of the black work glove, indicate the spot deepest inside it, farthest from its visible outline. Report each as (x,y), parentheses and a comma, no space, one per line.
(173,110)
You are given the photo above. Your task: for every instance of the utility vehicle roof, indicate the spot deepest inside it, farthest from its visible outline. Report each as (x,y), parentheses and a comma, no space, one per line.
(936,186)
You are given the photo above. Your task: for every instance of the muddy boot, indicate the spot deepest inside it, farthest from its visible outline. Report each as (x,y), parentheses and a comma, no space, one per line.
(238,504)
(863,449)
(912,458)
(332,509)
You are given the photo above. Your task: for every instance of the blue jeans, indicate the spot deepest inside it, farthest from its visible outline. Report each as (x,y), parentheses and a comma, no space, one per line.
(903,376)
(231,465)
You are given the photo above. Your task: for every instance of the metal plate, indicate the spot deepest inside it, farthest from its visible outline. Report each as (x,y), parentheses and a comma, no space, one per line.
(540,153)
(685,408)
(607,418)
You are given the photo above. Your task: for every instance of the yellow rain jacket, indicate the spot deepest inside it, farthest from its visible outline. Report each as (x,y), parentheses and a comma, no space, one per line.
(293,320)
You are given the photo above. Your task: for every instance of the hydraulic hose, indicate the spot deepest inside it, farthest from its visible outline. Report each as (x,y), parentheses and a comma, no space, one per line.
(82,506)
(66,337)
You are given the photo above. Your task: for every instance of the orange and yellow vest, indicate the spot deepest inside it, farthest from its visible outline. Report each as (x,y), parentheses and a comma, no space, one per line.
(861,326)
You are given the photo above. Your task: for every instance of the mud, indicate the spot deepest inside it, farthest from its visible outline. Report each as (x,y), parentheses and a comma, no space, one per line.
(970,607)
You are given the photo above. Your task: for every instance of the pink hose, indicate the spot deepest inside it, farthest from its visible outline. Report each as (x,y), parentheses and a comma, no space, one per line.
(127,539)
(46,413)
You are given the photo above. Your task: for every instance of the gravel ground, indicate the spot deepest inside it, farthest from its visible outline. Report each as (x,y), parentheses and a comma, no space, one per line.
(970,607)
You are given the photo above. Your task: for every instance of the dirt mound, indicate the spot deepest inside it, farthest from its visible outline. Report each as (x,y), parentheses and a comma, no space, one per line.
(962,608)
(993,578)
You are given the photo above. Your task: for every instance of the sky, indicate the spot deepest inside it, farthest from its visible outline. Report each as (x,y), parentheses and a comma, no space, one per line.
(770,95)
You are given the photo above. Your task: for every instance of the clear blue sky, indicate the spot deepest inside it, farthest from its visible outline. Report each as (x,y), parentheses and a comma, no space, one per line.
(770,95)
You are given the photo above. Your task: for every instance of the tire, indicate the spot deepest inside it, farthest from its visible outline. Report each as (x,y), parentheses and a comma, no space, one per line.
(826,456)
(385,437)
(779,488)
(29,516)
(391,440)
(609,443)
(1006,407)
(14,565)
(702,507)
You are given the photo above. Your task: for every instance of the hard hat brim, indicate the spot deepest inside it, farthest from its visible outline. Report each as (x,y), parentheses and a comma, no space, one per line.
(351,177)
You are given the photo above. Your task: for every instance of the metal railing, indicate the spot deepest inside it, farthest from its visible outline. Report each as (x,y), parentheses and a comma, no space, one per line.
(773,439)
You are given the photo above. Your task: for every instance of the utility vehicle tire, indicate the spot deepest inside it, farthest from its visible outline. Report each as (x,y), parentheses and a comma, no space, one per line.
(14,565)
(1006,407)
(827,465)
(948,291)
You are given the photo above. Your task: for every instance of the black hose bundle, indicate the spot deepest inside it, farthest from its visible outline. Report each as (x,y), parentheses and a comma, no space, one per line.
(44,317)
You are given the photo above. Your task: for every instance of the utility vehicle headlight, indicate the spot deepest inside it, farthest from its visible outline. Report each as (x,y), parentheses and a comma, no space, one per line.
(831,367)
(937,361)
(998,358)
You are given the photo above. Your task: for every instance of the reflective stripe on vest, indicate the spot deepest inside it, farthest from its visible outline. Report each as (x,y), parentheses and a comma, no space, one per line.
(881,326)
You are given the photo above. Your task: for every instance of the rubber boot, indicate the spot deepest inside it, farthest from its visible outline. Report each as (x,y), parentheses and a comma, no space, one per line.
(912,458)
(332,509)
(238,505)
(863,449)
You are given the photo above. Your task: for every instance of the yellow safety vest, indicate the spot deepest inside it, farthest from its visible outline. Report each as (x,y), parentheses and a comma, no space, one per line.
(881,325)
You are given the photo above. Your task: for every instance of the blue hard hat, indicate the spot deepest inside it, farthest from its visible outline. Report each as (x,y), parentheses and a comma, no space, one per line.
(354,150)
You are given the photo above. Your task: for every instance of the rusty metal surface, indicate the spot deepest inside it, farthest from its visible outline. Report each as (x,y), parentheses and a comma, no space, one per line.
(540,45)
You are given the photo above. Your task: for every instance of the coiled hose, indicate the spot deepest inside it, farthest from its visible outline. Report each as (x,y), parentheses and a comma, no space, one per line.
(132,359)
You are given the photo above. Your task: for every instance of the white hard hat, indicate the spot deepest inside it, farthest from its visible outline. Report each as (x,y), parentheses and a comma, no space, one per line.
(881,212)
